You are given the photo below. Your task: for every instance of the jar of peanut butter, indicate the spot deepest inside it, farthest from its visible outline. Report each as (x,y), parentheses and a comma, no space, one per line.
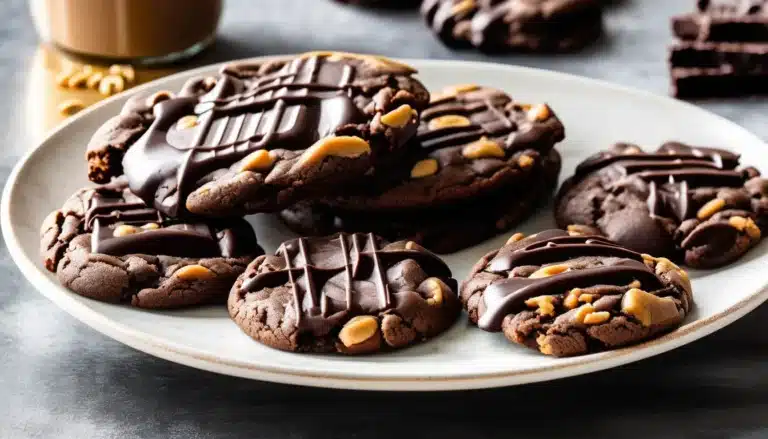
(134,31)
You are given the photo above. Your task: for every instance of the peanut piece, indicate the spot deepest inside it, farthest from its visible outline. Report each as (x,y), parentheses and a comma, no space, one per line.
(595,318)
(647,308)
(257,161)
(111,84)
(482,148)
(157,97)
(94,80)
(358,329)
(449,120)
(194,272)
(539,112)
(70,107)
(745,225)
(549,270)
(435,288)
(398,117)
(124,230)
(124,70)
(78,79)
(710,208)
(525,161)
(583,312)
(62,78)
(543,303)
(187,122)
(514,238)
(462,7)
(572,299)
(150,226)
(424,168)
(340,146)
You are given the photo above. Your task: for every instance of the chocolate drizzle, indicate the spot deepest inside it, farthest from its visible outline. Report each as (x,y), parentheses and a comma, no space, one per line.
(307,99)
(336,277)
(508,296)
(109,209)
(668,174)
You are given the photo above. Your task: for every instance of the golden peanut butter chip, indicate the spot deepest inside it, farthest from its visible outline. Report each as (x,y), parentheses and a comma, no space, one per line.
(399,117)
(424,168)
(257,161)
(157,97)
(111,84)
(482,148)
(125,230)
(549,270)
(515,237)
(70,107)
(649,309)
(525,161)
(595,318)
(544,304)
(194,272)
(339,146)
(447,121)
(434,287)
(710,208)
(359,329)
(94,80)
(539,112)
(187,122)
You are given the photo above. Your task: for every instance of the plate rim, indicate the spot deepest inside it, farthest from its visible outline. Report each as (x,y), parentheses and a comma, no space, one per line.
(171,351)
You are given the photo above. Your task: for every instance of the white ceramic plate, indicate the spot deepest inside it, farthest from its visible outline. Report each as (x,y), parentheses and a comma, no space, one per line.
(596,114)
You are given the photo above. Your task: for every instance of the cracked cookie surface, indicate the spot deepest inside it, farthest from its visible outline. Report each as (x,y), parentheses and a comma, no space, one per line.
(567,294)
(106,244)
(471,141)
(260,136)
(345,293)
(444,230)
(686,203)
(515,25)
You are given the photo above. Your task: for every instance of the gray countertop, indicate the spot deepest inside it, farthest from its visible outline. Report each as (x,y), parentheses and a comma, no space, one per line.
(59,378)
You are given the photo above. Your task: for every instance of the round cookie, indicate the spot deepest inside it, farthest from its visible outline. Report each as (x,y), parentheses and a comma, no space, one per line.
(471,141)
(567,294)
(261,136)
(515,25)
(444,230)
(686,203)
(106,244)
(346,293)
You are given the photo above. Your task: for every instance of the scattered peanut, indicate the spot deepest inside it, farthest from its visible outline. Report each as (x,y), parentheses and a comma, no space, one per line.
(150,226)
(257,161)
(525,161)
(544,304)
(124,230)
(435,288)
(595,318)
(482,148)
(424,168)
(745,225)
(449,120)
(124,70)
(647,308)
(70,107)
(583,312)
(539,112)
(94,80)
(710,208)
(398,117)
(549,270)
(78,79)
(339,146)
(358,329)
(111,84)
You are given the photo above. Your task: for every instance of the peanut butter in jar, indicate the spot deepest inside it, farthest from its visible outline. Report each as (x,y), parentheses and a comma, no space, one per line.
(136,31)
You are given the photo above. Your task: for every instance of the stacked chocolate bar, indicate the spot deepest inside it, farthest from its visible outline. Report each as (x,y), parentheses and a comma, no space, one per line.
(723,49)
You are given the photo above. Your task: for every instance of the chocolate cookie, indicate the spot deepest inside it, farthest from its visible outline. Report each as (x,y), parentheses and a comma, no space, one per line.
(471,141)
(106,244)
(565,294)
(261,136)
(515,25)
(724,21)
(686,203)
(345,293)
(445,230)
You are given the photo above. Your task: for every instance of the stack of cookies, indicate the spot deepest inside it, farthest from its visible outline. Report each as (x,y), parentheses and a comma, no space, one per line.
(723,49)
(378,175)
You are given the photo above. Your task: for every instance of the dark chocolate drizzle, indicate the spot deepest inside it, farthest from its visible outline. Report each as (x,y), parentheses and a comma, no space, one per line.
(307,99)
(668,174)
(509,295)
(109,209)
(336,277)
